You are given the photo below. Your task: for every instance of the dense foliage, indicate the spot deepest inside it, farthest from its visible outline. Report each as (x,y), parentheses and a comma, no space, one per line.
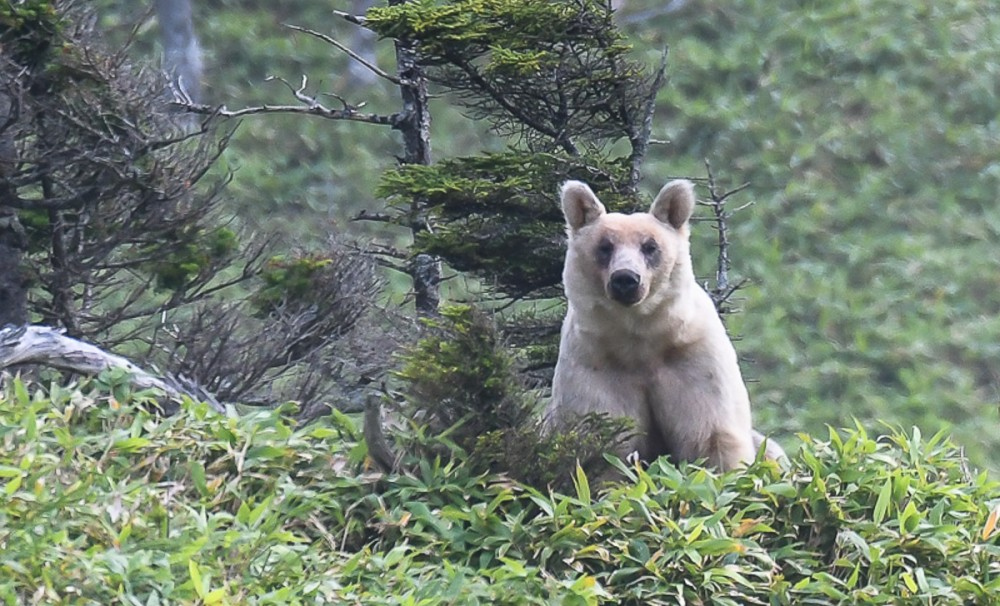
(460,385)
(866,130)
(104,503)
(490,210)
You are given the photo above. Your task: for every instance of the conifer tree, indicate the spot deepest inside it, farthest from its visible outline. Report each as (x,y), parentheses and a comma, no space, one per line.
(555,79)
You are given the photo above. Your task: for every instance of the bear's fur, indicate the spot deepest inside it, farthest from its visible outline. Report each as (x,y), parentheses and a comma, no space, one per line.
(642,340)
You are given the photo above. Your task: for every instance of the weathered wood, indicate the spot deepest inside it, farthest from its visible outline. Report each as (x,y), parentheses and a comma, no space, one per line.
(378,446)
(47,346)
(415,126)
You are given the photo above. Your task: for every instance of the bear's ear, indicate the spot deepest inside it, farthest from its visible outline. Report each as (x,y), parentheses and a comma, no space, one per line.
(580,205)
(675,203)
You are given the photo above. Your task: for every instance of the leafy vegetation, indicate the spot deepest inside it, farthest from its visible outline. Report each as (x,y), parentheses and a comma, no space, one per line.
(461,386)
(868,133)
(866,130)
(494,221)
(103,502)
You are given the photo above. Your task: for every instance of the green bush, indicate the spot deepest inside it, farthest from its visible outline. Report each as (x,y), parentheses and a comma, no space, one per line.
(102,502)
(461,388)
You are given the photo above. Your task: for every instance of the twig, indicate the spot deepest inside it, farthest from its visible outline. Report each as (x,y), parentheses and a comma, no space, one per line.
(312,110)
(356,20)
(722,291)
(639,135)
(353,55)
(310,106)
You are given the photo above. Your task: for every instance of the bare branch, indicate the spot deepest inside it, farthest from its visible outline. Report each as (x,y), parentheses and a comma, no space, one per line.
(356,20)
(723,290)
(378,447)
(312,109)
(364,215)
(353,55)
(640,133)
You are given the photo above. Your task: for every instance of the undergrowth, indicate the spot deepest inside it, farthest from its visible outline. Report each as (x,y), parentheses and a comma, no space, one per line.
(102,502)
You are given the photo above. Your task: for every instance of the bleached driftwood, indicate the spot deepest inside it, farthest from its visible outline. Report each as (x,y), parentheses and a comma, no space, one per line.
(47,346)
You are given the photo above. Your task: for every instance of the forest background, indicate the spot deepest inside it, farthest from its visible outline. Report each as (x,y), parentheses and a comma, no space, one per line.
(867,133)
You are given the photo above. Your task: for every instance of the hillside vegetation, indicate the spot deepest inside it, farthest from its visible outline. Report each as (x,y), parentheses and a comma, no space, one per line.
(104,503)
(867,131)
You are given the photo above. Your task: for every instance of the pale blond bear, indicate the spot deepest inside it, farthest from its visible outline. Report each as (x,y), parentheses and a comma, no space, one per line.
(642,340)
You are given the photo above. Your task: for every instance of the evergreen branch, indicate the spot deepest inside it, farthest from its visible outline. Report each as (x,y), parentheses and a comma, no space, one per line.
(525,118)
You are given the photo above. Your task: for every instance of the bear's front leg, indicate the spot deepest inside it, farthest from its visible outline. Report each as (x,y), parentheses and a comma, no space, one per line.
(729,449)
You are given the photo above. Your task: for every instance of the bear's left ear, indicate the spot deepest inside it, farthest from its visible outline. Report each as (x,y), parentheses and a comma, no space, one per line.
(580,205)
(675,203)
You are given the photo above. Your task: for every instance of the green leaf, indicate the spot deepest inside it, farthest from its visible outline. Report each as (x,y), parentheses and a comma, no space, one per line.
(21,393)
(783,489)
(582,485)
(13,485)
(196,579)
(128,445)
(882,504)
(197,471)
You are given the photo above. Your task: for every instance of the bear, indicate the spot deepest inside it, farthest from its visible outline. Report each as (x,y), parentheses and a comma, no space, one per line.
(642,339)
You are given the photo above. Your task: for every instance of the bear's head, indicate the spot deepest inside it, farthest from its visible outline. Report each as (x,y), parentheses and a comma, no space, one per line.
(625,257)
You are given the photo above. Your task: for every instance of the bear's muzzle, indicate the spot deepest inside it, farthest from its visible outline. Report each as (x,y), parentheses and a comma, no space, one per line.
(624,286)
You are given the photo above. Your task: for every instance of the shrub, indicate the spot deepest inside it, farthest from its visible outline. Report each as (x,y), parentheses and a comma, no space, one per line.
(102,503)
(460,382)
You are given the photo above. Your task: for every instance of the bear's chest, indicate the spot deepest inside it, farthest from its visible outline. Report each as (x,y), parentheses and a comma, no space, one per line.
(663,379)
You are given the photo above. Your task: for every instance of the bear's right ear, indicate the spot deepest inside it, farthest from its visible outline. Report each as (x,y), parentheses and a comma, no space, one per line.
(675,203)
(580,206)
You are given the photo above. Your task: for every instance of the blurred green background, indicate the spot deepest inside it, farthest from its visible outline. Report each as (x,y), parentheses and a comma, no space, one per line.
(868,132)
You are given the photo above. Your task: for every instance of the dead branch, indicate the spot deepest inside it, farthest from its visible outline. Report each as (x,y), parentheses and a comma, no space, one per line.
(353,55)
(378,446)
(356,20)
(310,106)
(723,290)
(50,347)
(639,133)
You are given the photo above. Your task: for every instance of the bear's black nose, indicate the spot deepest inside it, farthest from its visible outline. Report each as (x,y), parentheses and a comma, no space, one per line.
(624,286)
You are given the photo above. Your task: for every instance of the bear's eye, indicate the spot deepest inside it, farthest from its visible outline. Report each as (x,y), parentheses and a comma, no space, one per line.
(604,251)
(649,247)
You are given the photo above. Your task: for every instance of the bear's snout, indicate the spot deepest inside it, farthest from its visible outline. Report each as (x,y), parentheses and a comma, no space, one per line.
(624,286)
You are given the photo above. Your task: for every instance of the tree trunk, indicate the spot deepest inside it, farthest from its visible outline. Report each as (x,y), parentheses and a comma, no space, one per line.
(181,54)
(415,126)
(13,285)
